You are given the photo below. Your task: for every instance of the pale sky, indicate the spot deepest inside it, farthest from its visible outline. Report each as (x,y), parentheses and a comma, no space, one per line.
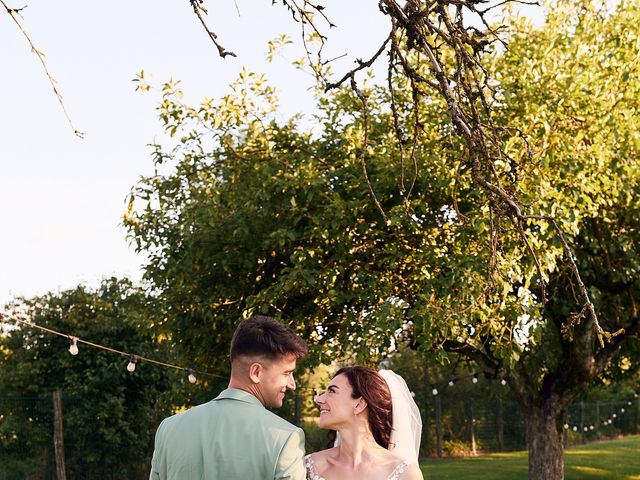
(61,198)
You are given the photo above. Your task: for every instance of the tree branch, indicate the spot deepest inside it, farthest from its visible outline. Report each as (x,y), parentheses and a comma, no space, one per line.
(14,13)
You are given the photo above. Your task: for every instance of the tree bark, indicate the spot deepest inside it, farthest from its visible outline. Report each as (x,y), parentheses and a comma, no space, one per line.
(544,442)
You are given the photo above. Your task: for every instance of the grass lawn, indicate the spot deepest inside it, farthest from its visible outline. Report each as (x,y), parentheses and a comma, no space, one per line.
(610,460)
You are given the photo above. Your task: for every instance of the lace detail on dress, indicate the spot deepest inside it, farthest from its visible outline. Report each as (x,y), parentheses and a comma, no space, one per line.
(399,470)
(311,469)
(312,474)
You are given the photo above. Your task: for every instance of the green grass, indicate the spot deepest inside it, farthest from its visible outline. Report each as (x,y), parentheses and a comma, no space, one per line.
(610,460)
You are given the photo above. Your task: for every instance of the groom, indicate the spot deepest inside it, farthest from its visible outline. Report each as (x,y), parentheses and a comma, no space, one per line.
(234,437)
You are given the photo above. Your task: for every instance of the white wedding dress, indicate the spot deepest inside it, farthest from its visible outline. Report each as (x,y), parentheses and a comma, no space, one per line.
(313,475)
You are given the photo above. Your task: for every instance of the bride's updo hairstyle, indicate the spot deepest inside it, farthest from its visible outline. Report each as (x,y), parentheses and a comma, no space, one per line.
(366,383)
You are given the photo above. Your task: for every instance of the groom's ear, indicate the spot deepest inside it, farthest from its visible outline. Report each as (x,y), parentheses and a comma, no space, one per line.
(255,372)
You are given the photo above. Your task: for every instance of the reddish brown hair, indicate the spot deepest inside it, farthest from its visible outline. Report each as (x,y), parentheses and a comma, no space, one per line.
(366,383)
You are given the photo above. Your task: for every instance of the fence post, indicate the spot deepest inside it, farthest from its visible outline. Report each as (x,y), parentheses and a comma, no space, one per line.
(298,412)
(438,426)
(58,436)
(582,432)
(471,431)
(500,425)
(565,431)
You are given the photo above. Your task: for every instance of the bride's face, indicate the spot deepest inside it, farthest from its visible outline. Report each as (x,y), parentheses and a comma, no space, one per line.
(337,406)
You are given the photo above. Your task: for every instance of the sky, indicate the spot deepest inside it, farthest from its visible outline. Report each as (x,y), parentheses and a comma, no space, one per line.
(62,198)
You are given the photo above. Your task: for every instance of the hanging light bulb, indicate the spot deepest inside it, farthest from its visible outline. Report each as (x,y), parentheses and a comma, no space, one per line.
(434,391)
(475,379)
(192,378)
(73,348)
(132,364)
(451,383)
(566,426)
(503,382)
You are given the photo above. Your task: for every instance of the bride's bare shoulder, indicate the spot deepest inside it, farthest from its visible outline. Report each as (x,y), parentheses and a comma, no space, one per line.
(322,457)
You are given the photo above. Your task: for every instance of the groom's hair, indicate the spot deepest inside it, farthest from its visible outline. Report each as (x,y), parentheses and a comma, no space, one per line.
(265,337)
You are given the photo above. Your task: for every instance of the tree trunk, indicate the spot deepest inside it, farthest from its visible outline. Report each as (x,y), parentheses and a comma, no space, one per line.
(544,442)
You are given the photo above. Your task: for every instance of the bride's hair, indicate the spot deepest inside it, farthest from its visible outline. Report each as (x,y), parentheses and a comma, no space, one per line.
(369,385)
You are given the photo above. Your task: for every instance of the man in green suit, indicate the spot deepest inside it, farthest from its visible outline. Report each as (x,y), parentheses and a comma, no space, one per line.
(234,437)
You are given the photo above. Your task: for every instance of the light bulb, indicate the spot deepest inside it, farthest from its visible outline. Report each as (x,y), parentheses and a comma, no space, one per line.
(503,382)
(73,348)
(192,377)
(132,364)
(622,410)
(451,383)
(475,379)
(566,426)
(434,391)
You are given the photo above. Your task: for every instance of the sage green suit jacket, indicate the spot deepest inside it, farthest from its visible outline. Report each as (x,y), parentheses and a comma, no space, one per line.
(233,437)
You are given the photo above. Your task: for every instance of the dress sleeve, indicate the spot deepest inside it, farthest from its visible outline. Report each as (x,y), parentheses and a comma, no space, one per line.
(290,465)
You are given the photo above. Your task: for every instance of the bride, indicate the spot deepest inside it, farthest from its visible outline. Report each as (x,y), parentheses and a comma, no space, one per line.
(378,428)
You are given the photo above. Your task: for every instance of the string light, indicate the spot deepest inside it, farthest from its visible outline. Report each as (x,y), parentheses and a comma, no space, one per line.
(503,382)
(73,347)
(133,359)
(475,378)
(131,367)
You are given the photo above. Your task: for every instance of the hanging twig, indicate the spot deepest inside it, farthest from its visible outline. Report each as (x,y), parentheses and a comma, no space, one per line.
(199,10)
(15,15)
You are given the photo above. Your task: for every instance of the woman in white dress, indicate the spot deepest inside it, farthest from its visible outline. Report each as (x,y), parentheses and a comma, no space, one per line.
(378,428)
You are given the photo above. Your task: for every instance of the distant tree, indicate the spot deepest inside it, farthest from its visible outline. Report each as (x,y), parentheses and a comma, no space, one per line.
(109,414)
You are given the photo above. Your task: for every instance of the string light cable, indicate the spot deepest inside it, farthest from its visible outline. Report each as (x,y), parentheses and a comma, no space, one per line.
(133,358)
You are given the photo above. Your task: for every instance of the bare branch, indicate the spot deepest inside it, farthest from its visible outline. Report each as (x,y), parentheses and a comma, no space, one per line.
(15,15)
(199,10)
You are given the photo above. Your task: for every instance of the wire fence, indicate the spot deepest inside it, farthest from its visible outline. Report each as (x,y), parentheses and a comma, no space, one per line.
(453,424)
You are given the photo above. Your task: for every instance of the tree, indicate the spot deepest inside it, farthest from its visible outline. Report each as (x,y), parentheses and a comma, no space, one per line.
(109,414)
(479,213)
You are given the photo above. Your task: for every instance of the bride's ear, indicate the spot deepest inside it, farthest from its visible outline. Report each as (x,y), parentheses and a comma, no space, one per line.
(360,406)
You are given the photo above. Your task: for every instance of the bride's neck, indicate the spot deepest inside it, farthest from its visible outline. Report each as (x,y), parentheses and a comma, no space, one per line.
(356,444)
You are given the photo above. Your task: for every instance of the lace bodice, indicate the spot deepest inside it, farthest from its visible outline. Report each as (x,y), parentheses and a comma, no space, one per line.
(312,474)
